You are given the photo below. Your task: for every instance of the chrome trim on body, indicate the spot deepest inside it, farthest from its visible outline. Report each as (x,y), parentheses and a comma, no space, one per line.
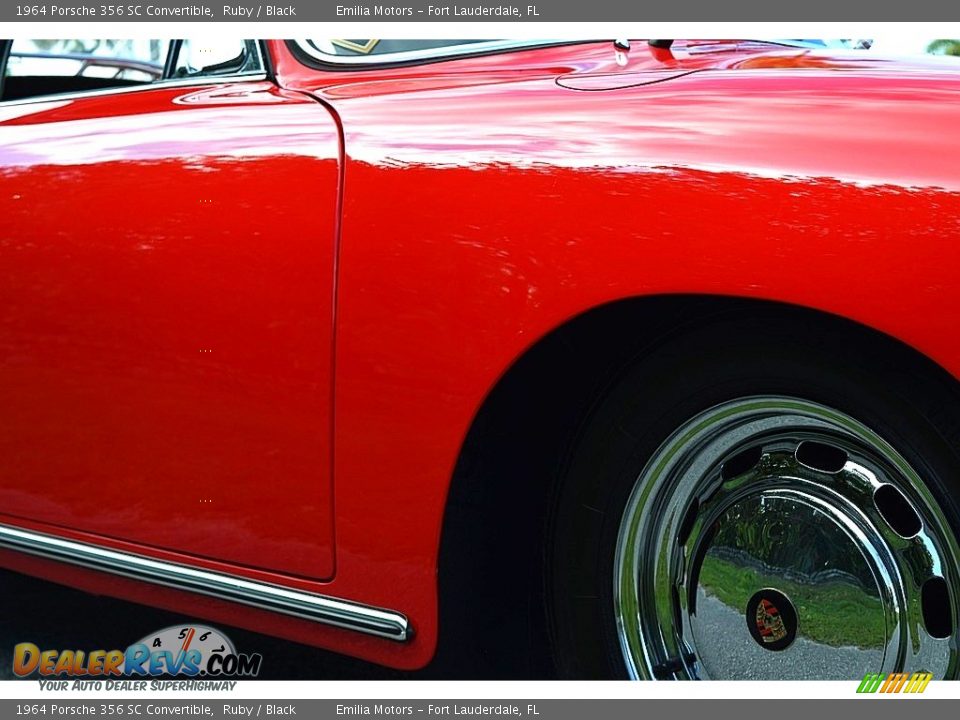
(412,56)
(310,606)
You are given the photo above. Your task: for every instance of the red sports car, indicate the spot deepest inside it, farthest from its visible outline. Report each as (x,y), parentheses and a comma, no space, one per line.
(607,359)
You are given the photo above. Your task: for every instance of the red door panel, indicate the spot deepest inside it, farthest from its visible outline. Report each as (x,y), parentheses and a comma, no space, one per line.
(166,261)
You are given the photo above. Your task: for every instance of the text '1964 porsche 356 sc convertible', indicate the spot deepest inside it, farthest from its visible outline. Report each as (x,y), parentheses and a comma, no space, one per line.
(632,358)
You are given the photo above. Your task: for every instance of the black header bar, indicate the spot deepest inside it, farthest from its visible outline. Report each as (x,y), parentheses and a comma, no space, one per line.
(479,11)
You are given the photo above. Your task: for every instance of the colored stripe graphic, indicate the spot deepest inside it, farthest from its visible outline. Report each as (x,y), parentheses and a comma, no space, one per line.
(895,683)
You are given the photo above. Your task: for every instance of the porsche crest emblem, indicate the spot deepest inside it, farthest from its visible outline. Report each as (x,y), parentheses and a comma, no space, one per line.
(771,619)
(769,623)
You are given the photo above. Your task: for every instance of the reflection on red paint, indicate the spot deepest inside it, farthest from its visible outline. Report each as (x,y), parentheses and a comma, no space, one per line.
(167,279)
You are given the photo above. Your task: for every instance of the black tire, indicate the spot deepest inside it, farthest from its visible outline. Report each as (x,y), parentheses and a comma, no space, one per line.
(891,389)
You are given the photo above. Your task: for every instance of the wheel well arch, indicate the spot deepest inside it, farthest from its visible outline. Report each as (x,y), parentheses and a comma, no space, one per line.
(501,490)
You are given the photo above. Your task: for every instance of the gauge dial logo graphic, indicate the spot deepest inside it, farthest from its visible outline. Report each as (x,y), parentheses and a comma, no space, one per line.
(179,639)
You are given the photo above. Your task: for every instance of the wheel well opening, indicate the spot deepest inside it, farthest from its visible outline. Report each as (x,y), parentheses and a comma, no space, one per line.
(503,486)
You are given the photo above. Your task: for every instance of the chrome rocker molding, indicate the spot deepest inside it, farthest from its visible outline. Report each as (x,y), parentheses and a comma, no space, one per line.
(319,608)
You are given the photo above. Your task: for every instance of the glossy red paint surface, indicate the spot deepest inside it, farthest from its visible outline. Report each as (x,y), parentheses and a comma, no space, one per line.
(167,321)
(486,201)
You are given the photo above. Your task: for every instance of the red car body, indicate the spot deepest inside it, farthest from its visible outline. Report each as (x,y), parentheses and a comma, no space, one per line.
(246,327)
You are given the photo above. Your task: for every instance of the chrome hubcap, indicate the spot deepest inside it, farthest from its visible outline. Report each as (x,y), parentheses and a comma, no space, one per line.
(774,538)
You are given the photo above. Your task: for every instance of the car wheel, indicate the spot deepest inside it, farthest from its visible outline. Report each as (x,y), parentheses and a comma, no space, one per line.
(757,503)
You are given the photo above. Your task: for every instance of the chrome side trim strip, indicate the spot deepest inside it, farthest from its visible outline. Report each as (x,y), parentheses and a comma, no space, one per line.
(319,608)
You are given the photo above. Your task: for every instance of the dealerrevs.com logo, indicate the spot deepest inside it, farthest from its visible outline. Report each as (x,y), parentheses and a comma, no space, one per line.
(180,650)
